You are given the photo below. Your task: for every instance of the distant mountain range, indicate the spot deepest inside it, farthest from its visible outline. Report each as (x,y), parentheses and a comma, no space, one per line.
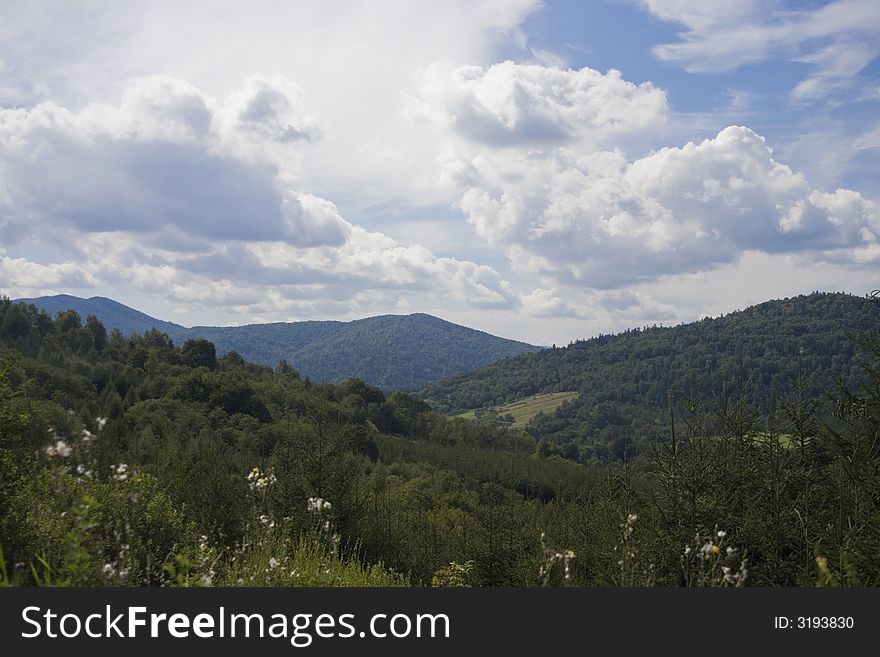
(389,351)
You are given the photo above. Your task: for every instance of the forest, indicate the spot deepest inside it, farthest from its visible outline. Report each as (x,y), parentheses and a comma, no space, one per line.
(392,352)
(133,461)
(626,381)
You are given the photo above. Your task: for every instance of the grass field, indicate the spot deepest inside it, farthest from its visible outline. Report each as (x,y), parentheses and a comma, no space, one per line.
(525,409)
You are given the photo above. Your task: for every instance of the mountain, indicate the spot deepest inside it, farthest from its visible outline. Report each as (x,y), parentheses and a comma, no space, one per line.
(625,382)
(389,351)
(111,313)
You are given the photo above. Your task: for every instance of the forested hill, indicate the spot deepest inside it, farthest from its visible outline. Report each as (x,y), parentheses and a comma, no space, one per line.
(111,313)
(626,381)
(389,351)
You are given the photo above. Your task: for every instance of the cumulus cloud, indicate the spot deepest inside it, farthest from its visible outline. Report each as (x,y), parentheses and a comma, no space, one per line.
(597,219)
(154,159)
(272,109)
(511,103)
(25,275)
(171,192)
(612,306)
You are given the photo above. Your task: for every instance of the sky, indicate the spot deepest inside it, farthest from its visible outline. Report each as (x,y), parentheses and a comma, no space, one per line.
(541,171)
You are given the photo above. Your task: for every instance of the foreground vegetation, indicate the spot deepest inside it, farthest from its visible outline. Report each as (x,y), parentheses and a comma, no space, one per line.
(131,461)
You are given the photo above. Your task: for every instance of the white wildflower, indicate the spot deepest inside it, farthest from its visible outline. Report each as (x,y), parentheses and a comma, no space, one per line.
(259,480)
(120,472)
(60,448)
(318,505)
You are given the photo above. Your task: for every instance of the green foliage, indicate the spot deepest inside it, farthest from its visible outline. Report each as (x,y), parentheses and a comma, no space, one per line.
(454,575)
(129,461)
(626,381)
(200,353)
(390,351)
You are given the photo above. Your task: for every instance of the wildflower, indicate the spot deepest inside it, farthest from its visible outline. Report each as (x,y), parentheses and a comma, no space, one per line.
(728,577)
(87,435)
(60,448)
(318,505)
(730,551)
(120,472)
(721,533)
(273,563)
(631,518)
(100,421)
(259,480)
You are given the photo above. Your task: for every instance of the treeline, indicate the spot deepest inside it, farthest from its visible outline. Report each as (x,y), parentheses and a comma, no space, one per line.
(133,461)
(393,352)
(627,381)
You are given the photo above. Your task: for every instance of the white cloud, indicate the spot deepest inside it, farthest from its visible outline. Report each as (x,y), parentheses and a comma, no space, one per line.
(543,302)
(833,65)
(171,192)
(24,276)
(272,109)
(836,40)
(351,62)
(624,307)
(601,221)
(164,157)
(514,104)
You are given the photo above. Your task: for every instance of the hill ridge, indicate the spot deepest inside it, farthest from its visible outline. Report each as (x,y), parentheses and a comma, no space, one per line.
(390,351)
(626,380)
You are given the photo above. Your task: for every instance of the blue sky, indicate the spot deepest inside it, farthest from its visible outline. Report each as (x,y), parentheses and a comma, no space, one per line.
(543,171)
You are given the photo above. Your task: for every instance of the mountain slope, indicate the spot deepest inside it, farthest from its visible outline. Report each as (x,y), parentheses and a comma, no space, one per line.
(626,381)
(390,351)
(111,313)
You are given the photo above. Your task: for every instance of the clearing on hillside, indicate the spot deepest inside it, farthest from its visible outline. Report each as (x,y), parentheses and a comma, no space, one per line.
(522,410)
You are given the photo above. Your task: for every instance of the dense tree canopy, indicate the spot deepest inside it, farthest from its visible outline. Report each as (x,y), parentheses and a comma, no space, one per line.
(627,381)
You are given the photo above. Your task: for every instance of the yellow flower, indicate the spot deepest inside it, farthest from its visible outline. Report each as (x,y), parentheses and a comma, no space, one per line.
(716,549)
